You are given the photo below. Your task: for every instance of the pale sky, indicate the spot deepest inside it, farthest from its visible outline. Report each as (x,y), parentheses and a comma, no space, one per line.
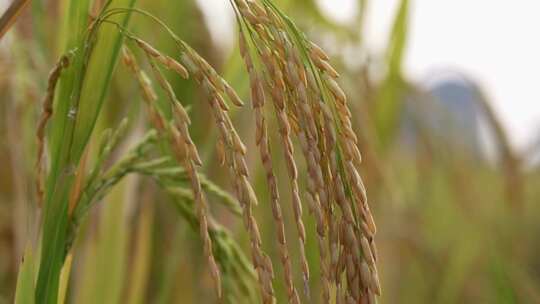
(494,42)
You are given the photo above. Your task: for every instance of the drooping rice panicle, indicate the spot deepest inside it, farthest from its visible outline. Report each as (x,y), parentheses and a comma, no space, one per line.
(184,150)
(234,152)
(216,87)
(262,141)
(276,85)
(310,104)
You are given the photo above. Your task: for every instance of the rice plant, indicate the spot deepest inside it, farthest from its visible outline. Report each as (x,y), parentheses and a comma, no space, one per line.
(145,160)
(292,83)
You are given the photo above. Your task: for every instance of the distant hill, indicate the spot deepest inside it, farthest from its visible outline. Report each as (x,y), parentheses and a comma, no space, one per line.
(449,110)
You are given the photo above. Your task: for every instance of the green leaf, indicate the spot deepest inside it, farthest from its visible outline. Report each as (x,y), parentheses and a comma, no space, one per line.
(25,280)
(142,255)
(95,88)
(398,39)
(64,279)
(391,92)
(81,92)
(59,181)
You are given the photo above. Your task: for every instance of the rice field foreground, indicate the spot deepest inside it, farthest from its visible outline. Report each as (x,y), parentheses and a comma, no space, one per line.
(144,162)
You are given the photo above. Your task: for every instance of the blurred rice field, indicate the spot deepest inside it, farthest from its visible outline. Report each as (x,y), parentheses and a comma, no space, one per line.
(456,206)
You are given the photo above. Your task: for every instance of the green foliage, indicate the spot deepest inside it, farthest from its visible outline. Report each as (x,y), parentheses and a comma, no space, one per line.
(55,218)
(81,92)
(447,231)
(25,281)
(392,90)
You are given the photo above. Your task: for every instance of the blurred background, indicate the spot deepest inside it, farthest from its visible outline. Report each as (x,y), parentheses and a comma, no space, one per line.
(444,100)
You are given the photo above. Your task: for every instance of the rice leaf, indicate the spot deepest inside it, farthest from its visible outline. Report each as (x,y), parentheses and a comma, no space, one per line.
(143,253)
(55,220)
(75,112)
(64,279)
(25,279)
(391,92)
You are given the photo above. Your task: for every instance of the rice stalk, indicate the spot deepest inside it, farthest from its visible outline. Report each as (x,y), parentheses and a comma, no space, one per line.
(78,101)
(143,253)
(25,291)
(10,16)
(64,279)
(511,162)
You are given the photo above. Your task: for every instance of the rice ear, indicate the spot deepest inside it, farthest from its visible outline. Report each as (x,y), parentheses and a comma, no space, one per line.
(310,105)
